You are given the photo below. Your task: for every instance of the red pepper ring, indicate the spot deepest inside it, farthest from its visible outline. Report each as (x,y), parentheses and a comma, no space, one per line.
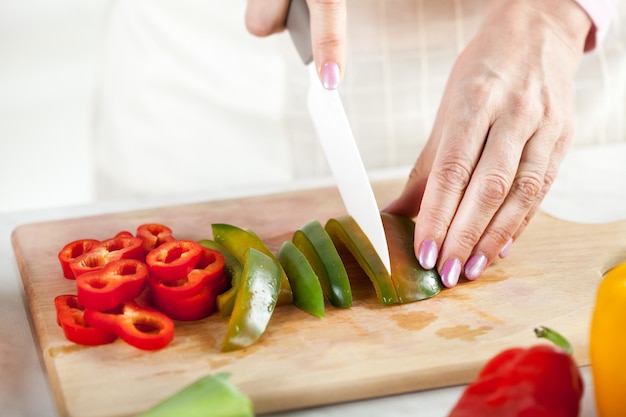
(117,281)
(107,251)
(70,317)
(72,251)
(173,260)
(208,271)
(141,327)
(196,307)
(154,235)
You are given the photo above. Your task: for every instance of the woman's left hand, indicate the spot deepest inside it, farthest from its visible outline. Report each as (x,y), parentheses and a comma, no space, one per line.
(501,132)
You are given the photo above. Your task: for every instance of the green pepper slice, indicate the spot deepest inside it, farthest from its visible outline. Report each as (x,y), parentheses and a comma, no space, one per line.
(306,288)
(212,394)
(233,269)
(317,246)
(238,240)
(255,302)
(344,230)
(411,281)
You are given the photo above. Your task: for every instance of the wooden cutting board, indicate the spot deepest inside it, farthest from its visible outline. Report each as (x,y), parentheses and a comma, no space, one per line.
(549,278)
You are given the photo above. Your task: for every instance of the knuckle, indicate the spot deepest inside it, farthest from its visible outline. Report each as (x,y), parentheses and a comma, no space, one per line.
(453,175)
(466,238)
(529,187)
(494,189)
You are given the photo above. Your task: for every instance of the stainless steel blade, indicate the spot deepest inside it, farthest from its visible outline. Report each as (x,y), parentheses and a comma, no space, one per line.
(337,139)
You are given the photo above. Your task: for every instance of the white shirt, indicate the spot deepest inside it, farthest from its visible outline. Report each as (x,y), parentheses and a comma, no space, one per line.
(190,102)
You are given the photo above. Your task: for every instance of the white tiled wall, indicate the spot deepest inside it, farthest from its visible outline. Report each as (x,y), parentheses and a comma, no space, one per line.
(48,58)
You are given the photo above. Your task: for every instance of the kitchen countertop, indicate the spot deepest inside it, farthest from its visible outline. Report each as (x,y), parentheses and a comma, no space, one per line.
(585,191)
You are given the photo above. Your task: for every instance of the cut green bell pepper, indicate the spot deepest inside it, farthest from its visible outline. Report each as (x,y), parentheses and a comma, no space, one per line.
(411,281)
(233,268)
(211,395)
(306,288)
(344,230)
(238,240)
(318,248)
(255,302)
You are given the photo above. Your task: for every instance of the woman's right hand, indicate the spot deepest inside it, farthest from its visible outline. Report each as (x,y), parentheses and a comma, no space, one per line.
(328,32)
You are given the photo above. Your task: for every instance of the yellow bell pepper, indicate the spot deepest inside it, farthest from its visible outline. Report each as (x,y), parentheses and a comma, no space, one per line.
(608,344)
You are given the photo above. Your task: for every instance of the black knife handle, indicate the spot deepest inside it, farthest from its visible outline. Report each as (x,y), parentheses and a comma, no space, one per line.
(299,26)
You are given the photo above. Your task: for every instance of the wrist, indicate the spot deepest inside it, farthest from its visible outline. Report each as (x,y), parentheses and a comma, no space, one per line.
(564,18)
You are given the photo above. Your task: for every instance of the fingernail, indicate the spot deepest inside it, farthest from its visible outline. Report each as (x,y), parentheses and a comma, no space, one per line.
(506,248)
(427,255)
(475,266)
(450,272)
(330,76)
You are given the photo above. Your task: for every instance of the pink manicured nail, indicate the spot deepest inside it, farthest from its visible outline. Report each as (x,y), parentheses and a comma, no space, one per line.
(506,248)
(330,76)
(475,266)
(428,253)
(451,272)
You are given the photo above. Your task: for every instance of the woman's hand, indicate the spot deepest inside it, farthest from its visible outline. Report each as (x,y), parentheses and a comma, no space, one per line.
(502,129)
(328,32)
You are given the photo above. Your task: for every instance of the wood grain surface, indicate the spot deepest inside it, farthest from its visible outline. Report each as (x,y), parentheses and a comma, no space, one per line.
(549,278)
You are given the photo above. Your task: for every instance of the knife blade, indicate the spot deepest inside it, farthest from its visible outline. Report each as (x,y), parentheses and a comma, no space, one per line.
(336,137)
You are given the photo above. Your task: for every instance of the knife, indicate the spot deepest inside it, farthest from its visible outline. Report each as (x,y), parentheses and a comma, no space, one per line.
(336,138)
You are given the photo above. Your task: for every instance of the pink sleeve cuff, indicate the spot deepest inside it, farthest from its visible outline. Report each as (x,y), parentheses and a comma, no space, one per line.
(601,12)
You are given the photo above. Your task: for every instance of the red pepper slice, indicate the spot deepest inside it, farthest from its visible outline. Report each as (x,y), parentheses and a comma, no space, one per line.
(141,327)
(108,251)
(124,233)
(70,316)
(172,261)
(191,308)
(106,288)
(194,297)
(154,235)
(72,251)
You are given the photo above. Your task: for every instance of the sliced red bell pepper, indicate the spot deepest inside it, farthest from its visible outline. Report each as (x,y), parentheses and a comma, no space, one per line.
(70,316)
(124,233)
(108,251)
(142,327)
(72,251)
(208,271)
(154,235)
(194,297)
(195,307)
(172,261)
(106,288)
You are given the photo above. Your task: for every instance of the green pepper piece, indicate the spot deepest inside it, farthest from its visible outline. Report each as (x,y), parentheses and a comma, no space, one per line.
(238,240)
(211,395)
(317,246)
(412,282)
(344,230)
(255,302)
(233,268)
(306,288)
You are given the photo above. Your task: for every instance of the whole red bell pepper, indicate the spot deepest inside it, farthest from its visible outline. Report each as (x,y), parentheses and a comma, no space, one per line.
(117,281)
(109,250)
(154,235)
(192,298)
(142,327)
(540,381)
(72,251)
(70,316)
(173,260)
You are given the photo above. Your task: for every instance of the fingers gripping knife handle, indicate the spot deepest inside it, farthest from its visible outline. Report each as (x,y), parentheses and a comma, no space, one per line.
(299,26)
